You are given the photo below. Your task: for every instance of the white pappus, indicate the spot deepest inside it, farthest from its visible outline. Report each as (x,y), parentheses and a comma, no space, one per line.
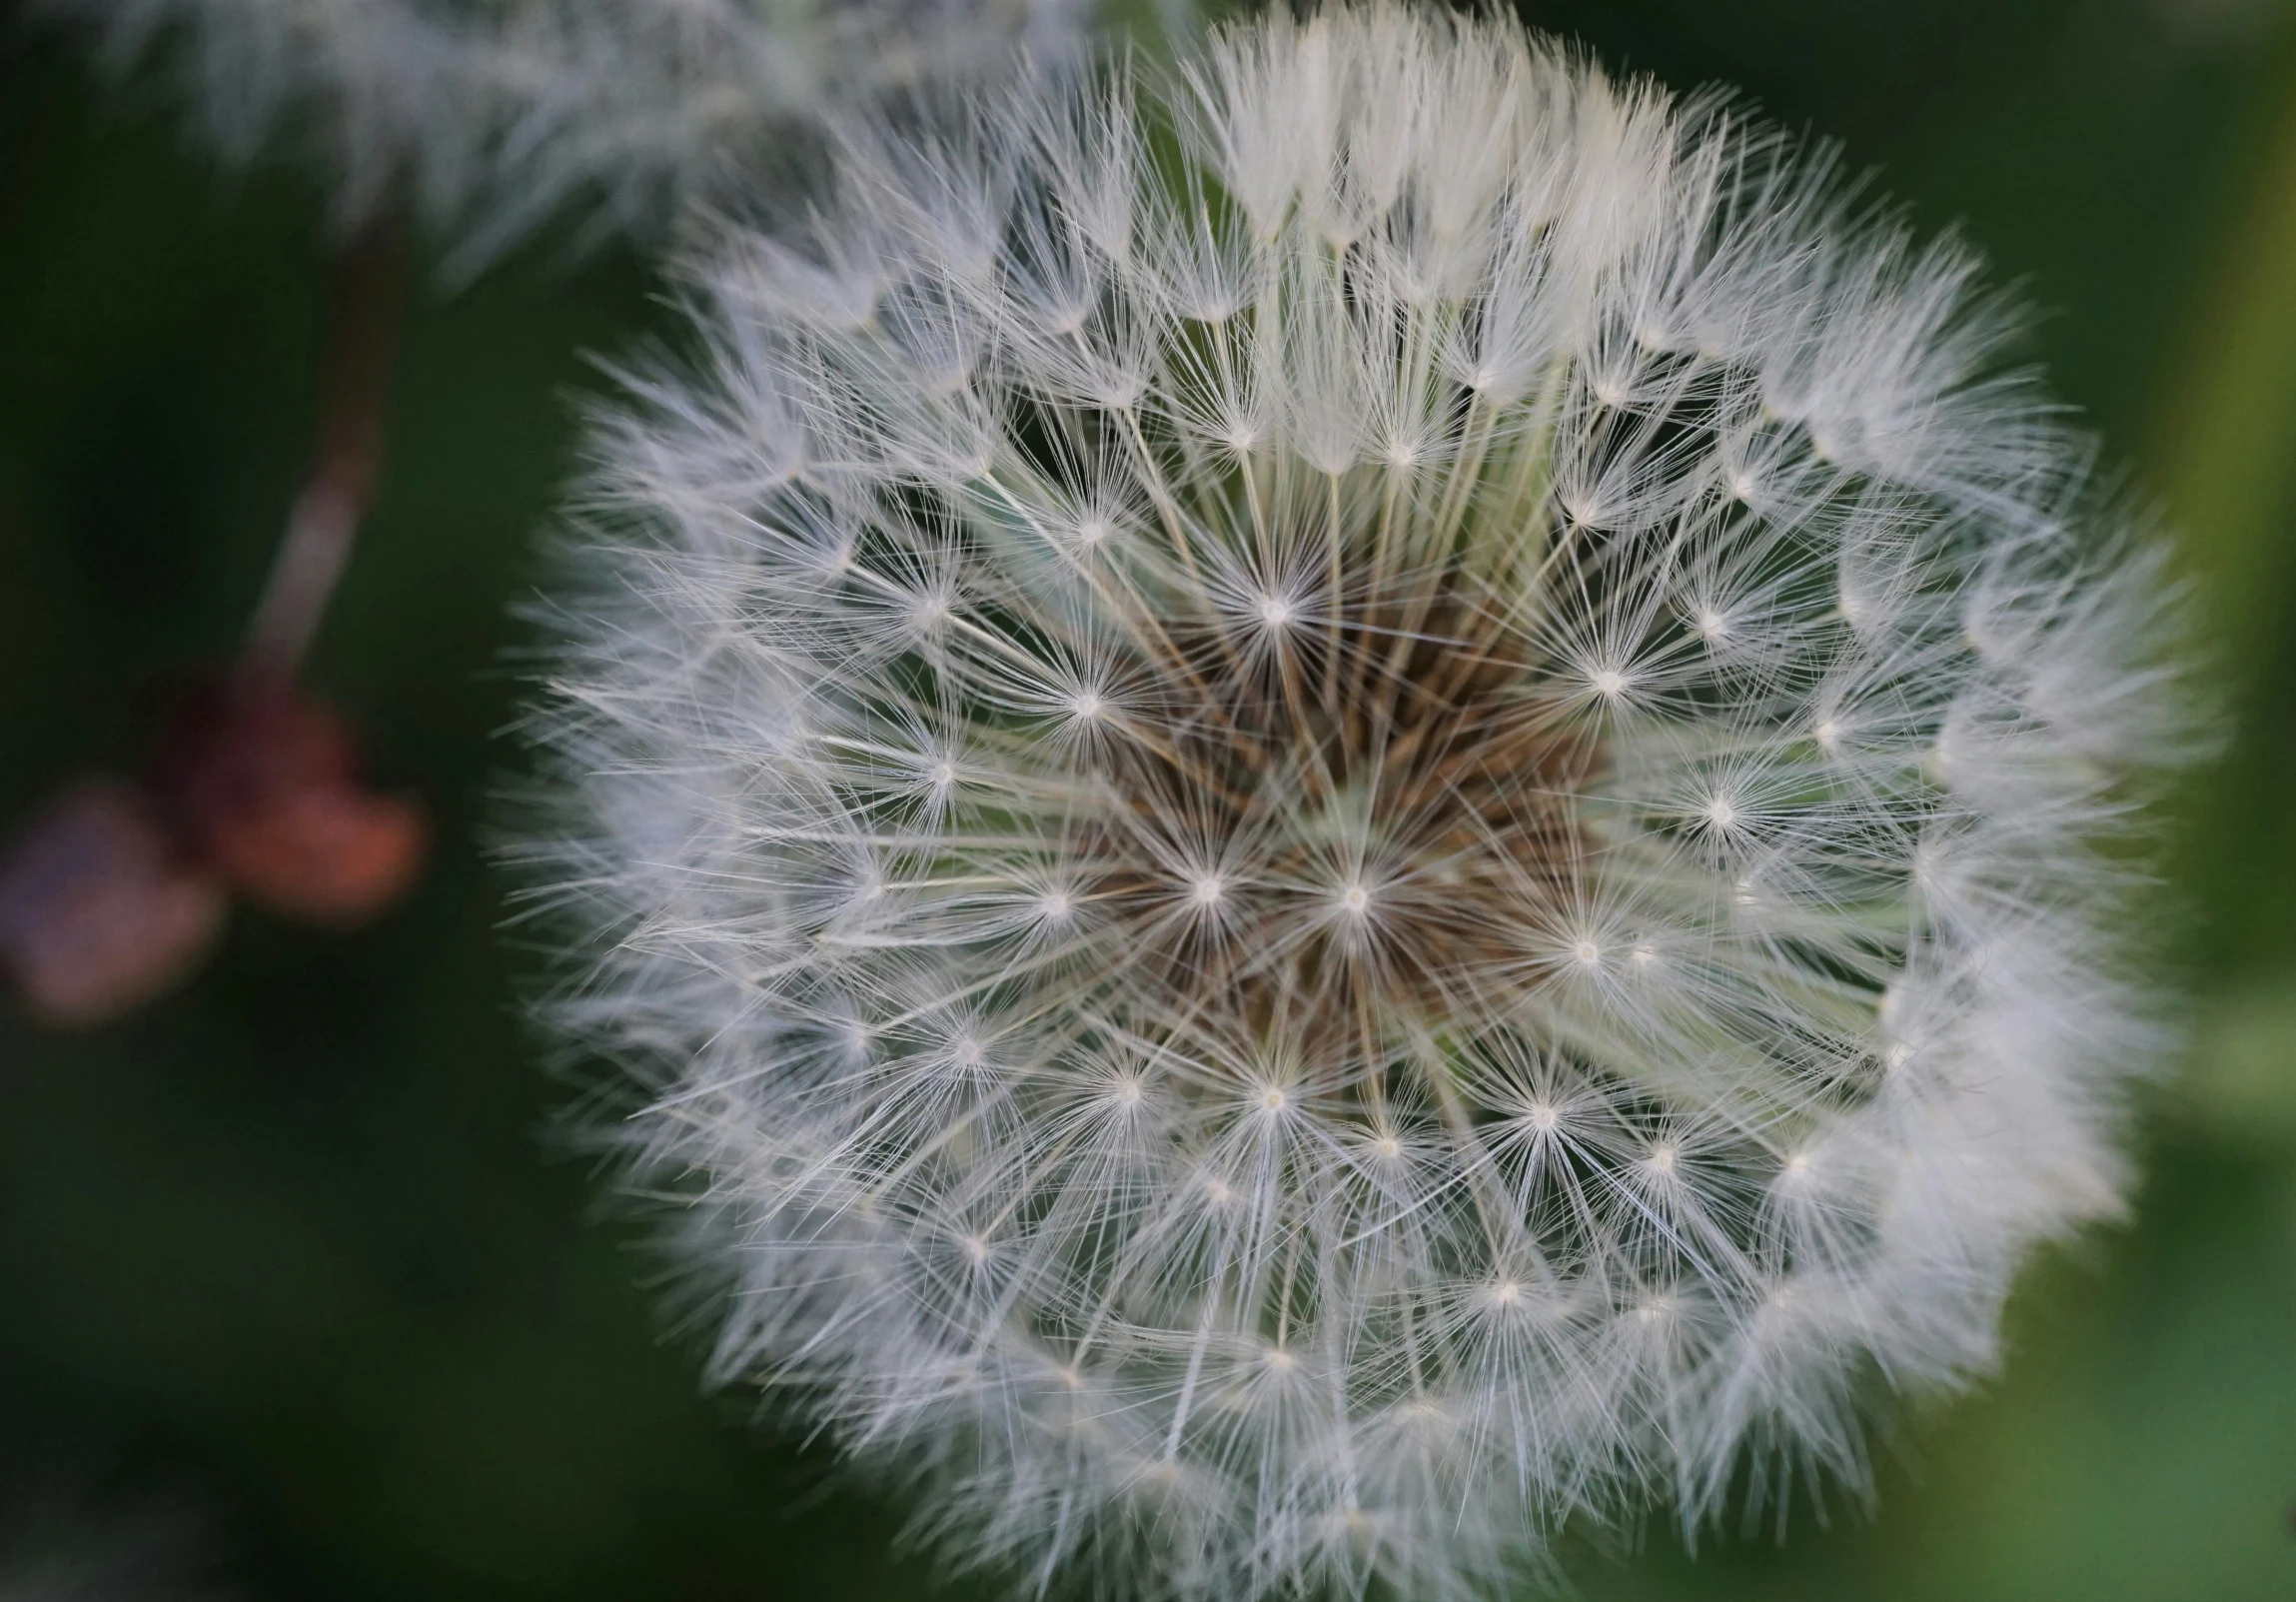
(1330,808)
(494,115)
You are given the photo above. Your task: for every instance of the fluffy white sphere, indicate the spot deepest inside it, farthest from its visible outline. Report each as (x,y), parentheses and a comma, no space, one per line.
(494,114)
(1338,808)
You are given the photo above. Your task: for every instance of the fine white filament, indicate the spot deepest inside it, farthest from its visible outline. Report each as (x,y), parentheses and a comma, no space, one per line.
(1349,805)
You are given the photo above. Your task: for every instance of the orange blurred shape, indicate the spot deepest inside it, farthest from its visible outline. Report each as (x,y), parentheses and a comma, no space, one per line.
(334,855)
(99,912)
(263,783)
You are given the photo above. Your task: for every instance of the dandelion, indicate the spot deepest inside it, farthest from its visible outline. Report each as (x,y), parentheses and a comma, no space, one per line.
(1575,950)
(493,115)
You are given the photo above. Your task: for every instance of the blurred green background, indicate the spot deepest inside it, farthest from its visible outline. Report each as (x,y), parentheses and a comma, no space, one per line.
(295,1239)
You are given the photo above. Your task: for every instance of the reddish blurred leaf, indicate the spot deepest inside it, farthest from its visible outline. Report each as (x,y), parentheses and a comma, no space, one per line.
(262,781)
(99,911)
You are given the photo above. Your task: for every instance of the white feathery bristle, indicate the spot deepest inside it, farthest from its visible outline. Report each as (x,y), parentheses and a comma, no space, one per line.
(1339,806)
(495,115)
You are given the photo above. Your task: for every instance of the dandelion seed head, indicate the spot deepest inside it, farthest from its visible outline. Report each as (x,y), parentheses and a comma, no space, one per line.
(493,116)
(1439,931)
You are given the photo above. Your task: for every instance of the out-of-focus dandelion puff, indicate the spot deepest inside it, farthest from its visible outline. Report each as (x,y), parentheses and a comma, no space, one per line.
(1338,808)
(495,113)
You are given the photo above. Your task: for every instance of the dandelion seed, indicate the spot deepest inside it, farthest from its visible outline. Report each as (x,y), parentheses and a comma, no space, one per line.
(1381,1130)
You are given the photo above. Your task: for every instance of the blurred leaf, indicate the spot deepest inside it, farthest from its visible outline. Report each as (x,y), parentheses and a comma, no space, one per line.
(2239,1083)
(2228,424)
